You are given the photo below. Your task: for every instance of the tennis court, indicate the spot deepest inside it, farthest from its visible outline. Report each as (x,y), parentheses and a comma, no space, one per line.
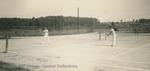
(82,52)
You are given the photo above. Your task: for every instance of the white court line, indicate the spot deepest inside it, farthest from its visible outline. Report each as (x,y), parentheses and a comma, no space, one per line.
(88,58)
(43,56)
(130,61)
(25,54)
(74,57)
(2,51)
(137,62)
(131,68)
(114,66)
(21,53)
(118,60)
(27,48)
(129,51)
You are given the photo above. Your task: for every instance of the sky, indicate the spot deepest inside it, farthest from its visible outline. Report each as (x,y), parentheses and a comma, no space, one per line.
(104,10)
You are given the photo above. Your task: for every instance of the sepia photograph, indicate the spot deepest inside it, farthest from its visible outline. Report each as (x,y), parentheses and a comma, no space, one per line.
(74,35)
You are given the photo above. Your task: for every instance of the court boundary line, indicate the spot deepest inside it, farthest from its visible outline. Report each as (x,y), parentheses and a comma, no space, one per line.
(27,54)
(130,61)
(79,57)
(128,51)
(124,67)
(114,66)
(122,60)
(72,56)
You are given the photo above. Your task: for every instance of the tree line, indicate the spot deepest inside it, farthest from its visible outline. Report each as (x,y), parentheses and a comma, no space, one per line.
(57,23)
(53,22)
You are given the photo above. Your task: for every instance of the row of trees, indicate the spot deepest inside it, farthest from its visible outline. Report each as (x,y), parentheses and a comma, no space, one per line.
(57,23)
(142,25)
(53,22)
(61,23)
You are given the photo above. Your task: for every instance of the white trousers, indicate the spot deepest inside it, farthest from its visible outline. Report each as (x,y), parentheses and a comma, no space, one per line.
(46,38)
(114,40)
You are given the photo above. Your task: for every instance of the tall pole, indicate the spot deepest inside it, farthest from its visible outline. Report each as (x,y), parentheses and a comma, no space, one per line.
(78,20)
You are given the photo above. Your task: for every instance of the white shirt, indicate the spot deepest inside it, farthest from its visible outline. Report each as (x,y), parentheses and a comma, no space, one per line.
(112,31)
(45,32)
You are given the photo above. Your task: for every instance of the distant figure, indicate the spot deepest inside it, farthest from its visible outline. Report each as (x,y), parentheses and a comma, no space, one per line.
(46,36)
(112,31)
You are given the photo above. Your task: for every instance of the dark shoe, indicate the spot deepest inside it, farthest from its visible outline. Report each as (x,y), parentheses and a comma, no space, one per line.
(112,45)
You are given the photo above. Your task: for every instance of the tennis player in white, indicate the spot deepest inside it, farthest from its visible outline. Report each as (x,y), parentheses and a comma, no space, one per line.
(112,31)
(46,36)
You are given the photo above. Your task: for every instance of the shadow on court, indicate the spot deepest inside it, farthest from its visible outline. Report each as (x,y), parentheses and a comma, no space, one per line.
(11,67)
(103,45)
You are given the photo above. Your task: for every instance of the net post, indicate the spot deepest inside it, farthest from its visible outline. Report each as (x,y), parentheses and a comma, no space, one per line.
(135,32)
(138,32)
(105,34)
(6,44)
(99,35)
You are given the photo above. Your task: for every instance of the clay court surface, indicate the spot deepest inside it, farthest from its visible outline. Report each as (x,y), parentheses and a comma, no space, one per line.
(83,52)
